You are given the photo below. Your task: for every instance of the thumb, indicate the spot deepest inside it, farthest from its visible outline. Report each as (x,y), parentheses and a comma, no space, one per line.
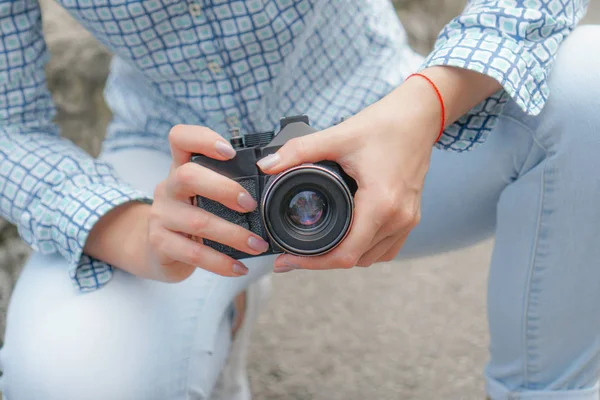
(318,146)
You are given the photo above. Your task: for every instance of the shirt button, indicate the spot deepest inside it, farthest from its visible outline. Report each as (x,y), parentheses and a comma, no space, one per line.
(214,67)
(233,121)
(195,9)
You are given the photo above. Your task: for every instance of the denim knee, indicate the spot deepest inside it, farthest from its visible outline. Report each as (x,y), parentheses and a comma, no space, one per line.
(117,343)
(570,116)
(48,362)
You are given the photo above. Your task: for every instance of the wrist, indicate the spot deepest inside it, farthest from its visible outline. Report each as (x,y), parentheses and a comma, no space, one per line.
(440,98)
(461,89)
(417,111)
(119,237)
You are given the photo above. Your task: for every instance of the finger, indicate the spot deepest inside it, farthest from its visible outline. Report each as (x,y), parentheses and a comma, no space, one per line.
(387,237)
(400,224)
(347,254)
(181,217)
(319,146)
(388,230)
(192,179)
(393,251)
(188,139)
(179,248)
(374,254)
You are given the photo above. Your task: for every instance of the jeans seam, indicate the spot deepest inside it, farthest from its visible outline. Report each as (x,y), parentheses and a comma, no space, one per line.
(526,323)
(529,285)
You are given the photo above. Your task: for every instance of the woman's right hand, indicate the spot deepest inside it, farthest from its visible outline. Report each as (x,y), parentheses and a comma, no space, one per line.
(169,253)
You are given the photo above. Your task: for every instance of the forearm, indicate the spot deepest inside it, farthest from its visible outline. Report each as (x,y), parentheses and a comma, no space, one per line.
(515,43)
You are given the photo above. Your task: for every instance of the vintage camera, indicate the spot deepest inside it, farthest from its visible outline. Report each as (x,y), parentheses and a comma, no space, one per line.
(306,210)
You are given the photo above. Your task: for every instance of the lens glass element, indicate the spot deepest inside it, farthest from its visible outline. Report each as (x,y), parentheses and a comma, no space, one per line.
(307,209)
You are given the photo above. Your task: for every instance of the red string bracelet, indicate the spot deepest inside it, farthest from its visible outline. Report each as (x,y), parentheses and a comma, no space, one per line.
(441,99)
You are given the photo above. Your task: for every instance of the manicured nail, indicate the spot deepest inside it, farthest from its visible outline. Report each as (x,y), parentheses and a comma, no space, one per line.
(225,149)
(246,201)
(239,269)
(269,161)
(282,268)
(257,244)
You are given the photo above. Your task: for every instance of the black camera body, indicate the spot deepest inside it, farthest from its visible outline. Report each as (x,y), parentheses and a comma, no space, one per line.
(305,210)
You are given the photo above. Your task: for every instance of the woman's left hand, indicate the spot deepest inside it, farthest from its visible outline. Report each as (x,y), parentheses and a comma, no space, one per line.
(386,148)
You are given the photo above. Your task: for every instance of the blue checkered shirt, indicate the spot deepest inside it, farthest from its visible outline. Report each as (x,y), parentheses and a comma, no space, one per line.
(245,64)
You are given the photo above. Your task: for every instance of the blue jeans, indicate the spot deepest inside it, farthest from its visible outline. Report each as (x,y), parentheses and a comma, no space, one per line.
(535,184)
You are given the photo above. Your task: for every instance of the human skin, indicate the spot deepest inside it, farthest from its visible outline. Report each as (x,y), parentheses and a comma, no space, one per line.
(386,148)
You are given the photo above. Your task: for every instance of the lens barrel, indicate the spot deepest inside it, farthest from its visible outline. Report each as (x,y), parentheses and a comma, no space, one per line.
(307,210)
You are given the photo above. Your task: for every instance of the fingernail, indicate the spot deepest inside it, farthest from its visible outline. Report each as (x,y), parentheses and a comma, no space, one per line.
(225,149)
(282,268)
(239,269)
(246,201)
(257,244)
(269,161)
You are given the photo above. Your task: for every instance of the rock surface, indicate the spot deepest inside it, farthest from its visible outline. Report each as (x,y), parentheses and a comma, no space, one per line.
(389,332)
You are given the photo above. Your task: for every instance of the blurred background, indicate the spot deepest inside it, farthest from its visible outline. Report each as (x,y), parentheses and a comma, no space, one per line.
(402,330)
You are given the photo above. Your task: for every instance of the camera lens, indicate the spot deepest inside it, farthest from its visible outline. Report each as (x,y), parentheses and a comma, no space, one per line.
(307,209)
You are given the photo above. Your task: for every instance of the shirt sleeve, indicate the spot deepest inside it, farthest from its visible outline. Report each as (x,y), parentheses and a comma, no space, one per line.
(514,42)
(51,189)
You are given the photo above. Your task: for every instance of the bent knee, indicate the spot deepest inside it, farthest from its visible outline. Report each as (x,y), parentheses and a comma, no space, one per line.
(570,116)
(575,73)
(54,369)
(70,371)
(574,78)
(115,343)
(74,347)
